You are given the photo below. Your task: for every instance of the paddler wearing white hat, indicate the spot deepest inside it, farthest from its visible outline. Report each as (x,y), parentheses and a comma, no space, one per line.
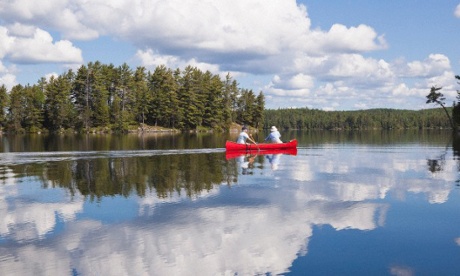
(274,136)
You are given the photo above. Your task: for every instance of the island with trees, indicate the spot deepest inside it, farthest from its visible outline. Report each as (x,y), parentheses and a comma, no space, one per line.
(104,98)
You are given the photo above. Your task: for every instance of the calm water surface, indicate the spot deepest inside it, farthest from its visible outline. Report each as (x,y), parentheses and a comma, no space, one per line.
(373,203)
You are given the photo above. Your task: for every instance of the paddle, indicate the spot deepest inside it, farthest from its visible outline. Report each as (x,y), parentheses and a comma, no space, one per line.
(254,141)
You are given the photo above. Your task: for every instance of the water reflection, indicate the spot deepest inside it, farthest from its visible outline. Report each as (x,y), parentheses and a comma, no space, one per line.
(162,212)
(97,174)
(274,160)
(246,163)
(259,231)
(105,142)
(246,159)
(438,163)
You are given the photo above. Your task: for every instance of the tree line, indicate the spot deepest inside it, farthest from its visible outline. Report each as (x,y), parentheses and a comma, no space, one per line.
(382,118)
(103,97)
(306,119)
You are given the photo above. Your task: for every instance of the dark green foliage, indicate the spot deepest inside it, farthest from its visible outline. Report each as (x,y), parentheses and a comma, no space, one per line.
(259,110)
(249,108)
(304,118)
(103,97)
(456,109)
(213,102)
(26,108)
(4,102)
(141,96)
(59,110)
(163,98)
(191,98)
(16,108)
(229,97)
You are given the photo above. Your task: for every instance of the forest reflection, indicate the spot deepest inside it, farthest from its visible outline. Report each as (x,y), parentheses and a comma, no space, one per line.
(134,141)
(164,175)
(437,164)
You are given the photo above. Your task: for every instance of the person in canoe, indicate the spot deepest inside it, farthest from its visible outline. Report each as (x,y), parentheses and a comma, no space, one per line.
(244,136)
(274,136)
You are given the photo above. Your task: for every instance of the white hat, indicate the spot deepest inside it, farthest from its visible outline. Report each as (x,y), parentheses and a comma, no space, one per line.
(273,128)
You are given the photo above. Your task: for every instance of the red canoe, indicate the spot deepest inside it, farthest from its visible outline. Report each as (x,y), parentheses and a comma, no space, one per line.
(233,146)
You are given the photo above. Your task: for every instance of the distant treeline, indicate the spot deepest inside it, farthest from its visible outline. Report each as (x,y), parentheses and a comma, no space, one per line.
(304,118)
(101,97)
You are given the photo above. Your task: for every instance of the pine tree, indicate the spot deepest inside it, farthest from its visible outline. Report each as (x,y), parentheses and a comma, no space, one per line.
(258,115)
(214,103)
(99,95)
(59,110)
(141,95)
(4,103)
(34,108)
(124,98)
(246,107)
(164,104)
(16,110)
(189,99)
(82,97)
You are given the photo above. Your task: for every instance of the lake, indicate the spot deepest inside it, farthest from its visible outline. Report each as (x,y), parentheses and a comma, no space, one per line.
(347,203)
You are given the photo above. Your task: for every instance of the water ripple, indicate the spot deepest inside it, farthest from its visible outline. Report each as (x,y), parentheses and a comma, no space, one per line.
(14,158)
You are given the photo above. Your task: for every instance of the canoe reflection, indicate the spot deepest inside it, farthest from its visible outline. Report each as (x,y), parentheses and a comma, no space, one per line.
(235,154)
(246,159)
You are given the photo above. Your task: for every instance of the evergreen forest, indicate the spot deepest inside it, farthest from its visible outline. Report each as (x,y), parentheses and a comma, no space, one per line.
(305,119)
(102,97)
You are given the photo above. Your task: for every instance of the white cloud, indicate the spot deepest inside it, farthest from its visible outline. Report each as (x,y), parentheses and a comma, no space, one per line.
(402,90)
(397,270)
(9,80)
(150,60)
(251,26)
(342,39)
(64,16)
(26,44)
(243,29)
(7,76)
(348,78)
(6,42)
(356,66)
(298,81)
(457,11)
(434,65)
(21,30)
(344,75)
(31,220)
(51,75)
(40,48)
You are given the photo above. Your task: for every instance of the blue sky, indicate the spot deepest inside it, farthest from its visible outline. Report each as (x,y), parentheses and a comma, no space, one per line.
(329,55)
